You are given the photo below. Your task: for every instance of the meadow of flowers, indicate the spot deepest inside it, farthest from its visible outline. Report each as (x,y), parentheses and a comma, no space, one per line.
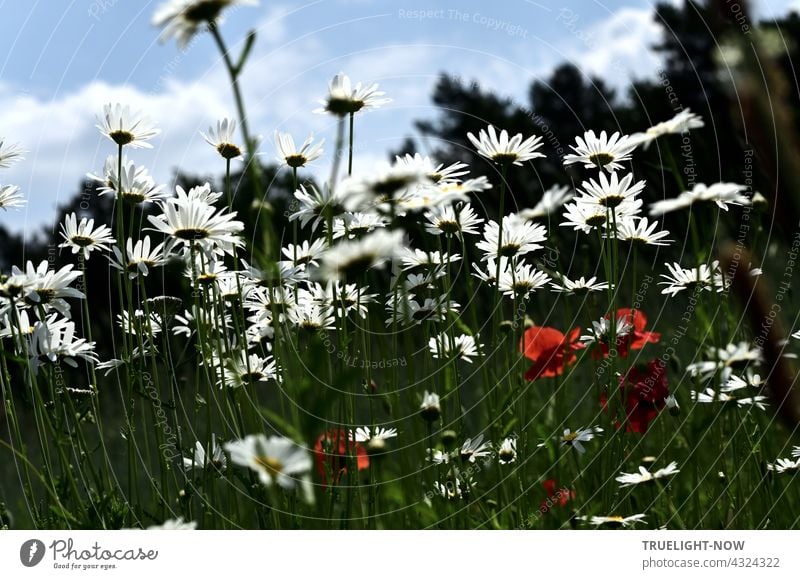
(402,354)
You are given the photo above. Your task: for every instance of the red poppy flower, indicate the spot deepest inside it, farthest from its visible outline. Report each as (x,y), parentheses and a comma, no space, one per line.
(550,350)
(645,393)
(556,497)
(633,340)
(331,454)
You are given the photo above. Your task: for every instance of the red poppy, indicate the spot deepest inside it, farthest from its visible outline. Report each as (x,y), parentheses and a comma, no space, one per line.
(556,497)
(550,350)
(333,451)
(645,393)
(635,339)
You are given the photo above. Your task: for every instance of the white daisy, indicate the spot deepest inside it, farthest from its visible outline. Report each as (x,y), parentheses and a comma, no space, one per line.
(221,137)
(82,237)
(196,223)
(645,476)
(575,438)
(521,280)
(138,258)
(610,192)
(201,459)
(507,452)
(722,194)
(436,172)
(679,278)
(10,197)
(449,220)
(290,155)
(276,460)
(474,449)
(681,123)
(502,149)
(616,520)
(174,525)
(357,224)
(637,230)
(305,253)
(10,154)
(344,98)
(551,200)
(519,237)
(318,205)
(349,260)
(601,152)
(246,369)
(182,19)
(49,288)
(126,128)
(416,258)
(581,286)
(784,465)
(458,347)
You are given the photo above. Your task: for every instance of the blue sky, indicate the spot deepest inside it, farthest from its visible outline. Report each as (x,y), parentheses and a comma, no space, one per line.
(63,59)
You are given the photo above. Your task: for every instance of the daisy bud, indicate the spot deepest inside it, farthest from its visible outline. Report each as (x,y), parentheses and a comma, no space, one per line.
(430,410)
(672,405)
(649,459)
(507,326)
(376,445)
(449,438)
(528,323)
(759,201)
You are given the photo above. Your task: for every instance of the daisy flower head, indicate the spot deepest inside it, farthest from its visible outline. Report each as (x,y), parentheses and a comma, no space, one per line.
(178,524)
(680,278)
(521,279)
(139,258)
(221,137)
(474,449)
(461,347)
(10,197)
(373,438)
(352,225)
(504,150)
(721,194)
(83,237)
(291,156)
(318,205)
(645,476)
(681,123)
(785,465)
(637,230)
(275,459)
(507,451)
(344,98)
(576,438)
(10,154)
(436,172)
(246,369)
(616,521)
(519,237)
(578,287)
(195,223)
(555,197)
(214,458)
(49,288)
(125,127)
(601,152)
(136,183)
(349,260)
(182,19)
(610,192)
(449,220)
(55,339)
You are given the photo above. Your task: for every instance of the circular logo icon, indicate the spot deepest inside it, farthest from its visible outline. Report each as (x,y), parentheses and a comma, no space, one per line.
(32,552)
